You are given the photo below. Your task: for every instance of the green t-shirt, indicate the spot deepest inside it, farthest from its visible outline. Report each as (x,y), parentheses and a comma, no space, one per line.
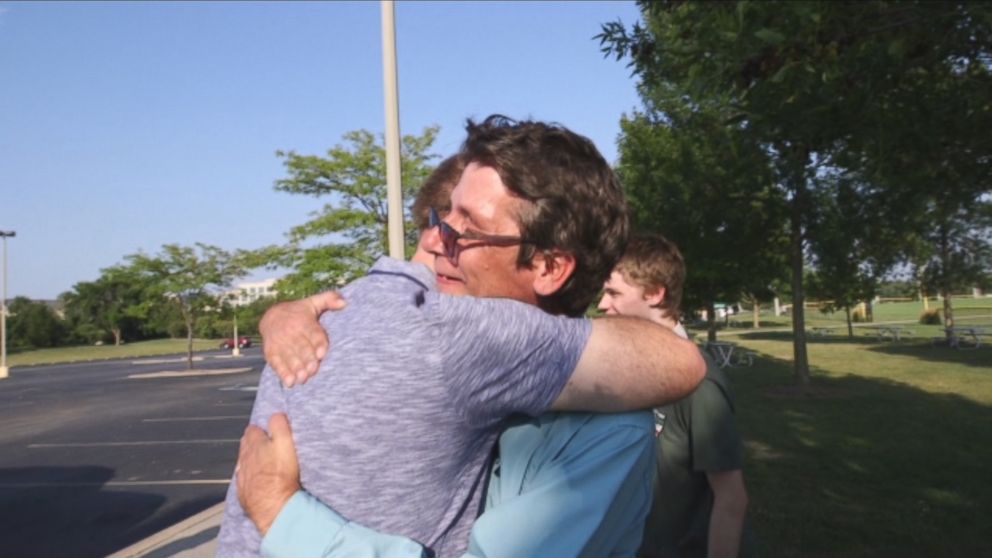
(697,436)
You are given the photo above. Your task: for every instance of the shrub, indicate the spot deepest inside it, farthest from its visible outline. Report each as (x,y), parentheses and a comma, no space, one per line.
(930,317)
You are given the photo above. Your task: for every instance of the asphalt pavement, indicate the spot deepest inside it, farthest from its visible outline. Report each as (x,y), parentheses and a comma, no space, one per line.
(96,457)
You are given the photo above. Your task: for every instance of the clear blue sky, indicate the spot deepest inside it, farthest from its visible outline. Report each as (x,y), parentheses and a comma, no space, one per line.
(126,126)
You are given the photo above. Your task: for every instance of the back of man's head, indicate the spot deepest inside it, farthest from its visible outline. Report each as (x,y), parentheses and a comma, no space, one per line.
(576,203)
(436,191)
(653,262)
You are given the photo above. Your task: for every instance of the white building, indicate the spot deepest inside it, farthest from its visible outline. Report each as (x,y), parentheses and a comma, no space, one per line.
(245,293)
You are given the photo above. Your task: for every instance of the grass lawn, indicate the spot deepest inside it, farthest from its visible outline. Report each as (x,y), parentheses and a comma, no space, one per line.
(889,455)
(88,352)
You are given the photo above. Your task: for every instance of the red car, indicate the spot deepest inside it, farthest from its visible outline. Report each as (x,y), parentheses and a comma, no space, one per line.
(243,342)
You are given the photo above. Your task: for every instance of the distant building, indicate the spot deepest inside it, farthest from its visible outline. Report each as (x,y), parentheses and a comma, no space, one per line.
(244,294)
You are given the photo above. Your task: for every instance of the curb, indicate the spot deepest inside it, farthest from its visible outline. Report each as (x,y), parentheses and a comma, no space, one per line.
(194,537)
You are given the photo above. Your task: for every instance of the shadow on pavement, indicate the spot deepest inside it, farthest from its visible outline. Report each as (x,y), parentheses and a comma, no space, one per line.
(62,511)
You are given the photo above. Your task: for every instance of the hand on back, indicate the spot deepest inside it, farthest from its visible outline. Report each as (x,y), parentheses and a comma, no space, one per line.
(293,340)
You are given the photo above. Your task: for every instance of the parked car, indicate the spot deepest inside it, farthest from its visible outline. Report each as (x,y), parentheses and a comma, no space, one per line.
(243,342)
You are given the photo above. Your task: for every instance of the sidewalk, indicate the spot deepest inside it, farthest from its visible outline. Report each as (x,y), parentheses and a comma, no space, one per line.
(195,537)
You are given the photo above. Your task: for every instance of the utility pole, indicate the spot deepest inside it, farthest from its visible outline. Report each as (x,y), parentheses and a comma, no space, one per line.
(391,92)
(4,370)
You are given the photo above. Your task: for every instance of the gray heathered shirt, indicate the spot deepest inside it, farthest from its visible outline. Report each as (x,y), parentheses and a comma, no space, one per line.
(395,430)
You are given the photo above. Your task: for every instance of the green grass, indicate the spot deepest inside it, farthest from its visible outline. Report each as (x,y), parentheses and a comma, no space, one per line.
(87,352)
(889,455)
(908,313)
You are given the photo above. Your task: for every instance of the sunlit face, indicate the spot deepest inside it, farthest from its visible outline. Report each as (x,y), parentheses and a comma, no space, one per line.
(482,203)
(621,298)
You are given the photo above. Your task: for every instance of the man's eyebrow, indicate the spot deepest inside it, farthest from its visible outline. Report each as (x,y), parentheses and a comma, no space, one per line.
(464,212)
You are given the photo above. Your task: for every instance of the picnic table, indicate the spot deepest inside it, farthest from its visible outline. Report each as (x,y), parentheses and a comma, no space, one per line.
(726,354)
(820,331)
(964,337)
(891,332)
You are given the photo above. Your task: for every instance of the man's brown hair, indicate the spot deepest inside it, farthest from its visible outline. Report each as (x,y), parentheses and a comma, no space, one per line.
(653,262)
(436,191)
(576,203)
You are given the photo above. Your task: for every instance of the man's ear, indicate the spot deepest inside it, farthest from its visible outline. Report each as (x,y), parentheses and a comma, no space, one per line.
(655,298)
(553,268)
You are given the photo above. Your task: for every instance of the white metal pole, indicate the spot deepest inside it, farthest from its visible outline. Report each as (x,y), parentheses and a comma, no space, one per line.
(236,351)
(4,370)
(393,180)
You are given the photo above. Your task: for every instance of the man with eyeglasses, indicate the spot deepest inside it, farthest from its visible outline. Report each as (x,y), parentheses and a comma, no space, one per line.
(480,361)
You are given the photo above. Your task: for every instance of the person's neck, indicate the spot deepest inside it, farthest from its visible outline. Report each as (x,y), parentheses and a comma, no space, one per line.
(662,318)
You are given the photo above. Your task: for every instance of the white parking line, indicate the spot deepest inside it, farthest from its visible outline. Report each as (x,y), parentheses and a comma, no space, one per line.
(188,373)
(165,360)
(193,419)
(113,483)
(145,443)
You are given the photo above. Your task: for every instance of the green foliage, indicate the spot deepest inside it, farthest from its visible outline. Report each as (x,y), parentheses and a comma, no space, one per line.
(33,325)
(894,94)
(108,309)
(706,188)
(930,317)
(182,277)
(348,234)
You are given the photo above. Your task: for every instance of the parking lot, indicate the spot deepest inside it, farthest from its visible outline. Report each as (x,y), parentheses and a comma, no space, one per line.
(96,456)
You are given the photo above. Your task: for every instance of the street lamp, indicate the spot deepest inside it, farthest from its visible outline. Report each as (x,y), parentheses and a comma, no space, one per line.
(4,371)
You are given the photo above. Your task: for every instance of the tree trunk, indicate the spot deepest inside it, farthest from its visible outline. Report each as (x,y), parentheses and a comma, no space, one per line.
(189,343)
(945,281)
(710,321)
(116,331)
(756,316)
(797,183)
(850,328)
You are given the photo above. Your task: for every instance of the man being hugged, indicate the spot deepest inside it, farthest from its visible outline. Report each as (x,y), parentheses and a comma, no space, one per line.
(396,430)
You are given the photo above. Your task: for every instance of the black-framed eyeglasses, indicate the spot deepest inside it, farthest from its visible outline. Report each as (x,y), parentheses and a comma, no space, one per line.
(450,237)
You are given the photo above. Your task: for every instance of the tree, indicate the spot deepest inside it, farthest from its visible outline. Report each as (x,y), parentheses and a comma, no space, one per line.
(694,180)
(33,325)
(112,304)
(855,239)
(813,82)
(181,276)
(353,177)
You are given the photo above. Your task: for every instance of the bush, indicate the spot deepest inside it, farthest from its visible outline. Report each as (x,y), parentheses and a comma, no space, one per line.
(930,317)
(858,314)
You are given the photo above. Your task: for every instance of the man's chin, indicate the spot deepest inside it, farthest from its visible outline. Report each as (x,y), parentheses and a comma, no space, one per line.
(451,287)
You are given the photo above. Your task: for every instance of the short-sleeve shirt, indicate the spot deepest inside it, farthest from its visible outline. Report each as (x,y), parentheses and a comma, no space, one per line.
(697,436)
(395,430)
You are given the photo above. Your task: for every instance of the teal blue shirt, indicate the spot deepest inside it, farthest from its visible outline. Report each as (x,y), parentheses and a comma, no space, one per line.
(566,484)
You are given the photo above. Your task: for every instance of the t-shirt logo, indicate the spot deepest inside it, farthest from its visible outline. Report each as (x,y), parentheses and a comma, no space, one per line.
(659,422)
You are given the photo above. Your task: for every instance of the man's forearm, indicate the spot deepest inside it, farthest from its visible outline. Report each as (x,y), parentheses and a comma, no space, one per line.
(727,516)
(306,528)
(630,363)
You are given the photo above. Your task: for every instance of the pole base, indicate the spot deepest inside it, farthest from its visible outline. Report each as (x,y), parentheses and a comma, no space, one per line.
(236,351)
(4,372)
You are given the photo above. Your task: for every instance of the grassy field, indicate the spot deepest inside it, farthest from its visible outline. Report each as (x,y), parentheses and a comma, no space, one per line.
(889,455)
(87,352)
(972,311)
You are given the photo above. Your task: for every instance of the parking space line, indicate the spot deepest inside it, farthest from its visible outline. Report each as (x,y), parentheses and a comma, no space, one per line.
(188,373)
(144,443)
(193,419)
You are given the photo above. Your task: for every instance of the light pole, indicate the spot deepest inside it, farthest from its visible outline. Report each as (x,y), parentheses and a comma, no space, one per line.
(4,371)
(394,190)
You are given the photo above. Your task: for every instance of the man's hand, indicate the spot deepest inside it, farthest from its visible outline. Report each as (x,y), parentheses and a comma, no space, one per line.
(292,340)
(268,473)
